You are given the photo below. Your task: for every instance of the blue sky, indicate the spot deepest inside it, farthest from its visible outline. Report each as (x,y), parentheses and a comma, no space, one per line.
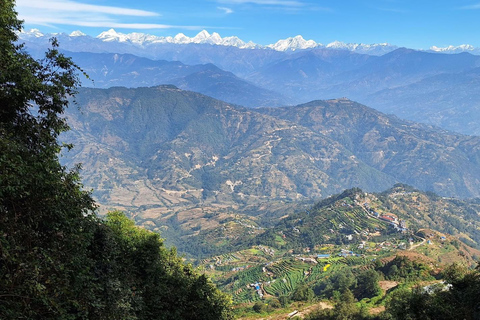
(410,23)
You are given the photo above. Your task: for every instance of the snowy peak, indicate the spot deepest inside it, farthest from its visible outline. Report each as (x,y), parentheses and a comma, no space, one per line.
(77,34)
(338,45)
(204,37)
(181,39)
(376,48)
(112,35)
(454,49)
(32,33)
(295,43)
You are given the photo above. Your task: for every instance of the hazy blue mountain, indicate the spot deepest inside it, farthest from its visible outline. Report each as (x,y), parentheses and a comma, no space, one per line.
(414,85)
(318,74)
(110,70)
(433,88)
(400,67)
(309,75)
(229,58)
(448,100)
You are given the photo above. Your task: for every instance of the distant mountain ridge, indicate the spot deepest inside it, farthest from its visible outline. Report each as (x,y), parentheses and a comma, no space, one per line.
(430,87)
(204,37)
(112,69)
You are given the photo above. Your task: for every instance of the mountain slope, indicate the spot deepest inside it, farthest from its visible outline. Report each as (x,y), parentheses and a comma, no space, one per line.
(426,157)
(169,148)
(164,149)
(109,70)
(448,100)
(355,212)
(376,75)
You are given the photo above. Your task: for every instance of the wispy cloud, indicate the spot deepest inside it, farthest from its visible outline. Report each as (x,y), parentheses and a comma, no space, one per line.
(74,6)
(74,13)
(104,24)
(285,3)
(225,10)
(392,10)
(471,7)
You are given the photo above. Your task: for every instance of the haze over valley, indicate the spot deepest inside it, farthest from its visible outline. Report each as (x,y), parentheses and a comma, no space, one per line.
(217,160)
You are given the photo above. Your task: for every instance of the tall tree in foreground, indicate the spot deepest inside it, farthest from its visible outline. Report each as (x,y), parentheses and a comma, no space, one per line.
(44,214)
(57,260)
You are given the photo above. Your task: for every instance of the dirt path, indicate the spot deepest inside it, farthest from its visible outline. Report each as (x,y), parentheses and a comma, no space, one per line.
(387,285)
(302,312)
(417,245)
(307,310)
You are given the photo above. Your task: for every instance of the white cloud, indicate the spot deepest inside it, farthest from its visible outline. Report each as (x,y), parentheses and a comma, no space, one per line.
(105,24)
(74,6)
(74,13)
(225,10)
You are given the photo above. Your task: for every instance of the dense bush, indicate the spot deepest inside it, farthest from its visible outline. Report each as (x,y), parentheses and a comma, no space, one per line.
(57,259)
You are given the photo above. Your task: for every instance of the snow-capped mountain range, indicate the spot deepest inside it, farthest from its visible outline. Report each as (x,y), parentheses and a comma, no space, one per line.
(204,37)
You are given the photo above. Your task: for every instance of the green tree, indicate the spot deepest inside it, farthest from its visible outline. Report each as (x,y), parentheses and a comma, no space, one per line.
(303,293)
(336,284)
(158,284)
(406,304)
(367,284)
(259,307)
(274,303)
(284,301)
(345,309)
(456,299)
(57,259)
(44,214)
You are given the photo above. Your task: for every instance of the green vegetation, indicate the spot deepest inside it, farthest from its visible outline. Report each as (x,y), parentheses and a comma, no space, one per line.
(57,259)
(457,298)
(172,151)
(345,309)
(403,269)
(357,251)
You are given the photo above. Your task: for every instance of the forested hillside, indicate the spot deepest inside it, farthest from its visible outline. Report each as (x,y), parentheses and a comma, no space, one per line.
(182,162)
(57,259)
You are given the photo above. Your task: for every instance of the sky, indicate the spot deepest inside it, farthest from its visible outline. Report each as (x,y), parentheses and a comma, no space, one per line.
(417,24)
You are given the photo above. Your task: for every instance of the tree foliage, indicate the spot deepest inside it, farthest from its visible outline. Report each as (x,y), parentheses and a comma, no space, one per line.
(345,309)
(367,284)
(457,298)
(303,292)
(57,259)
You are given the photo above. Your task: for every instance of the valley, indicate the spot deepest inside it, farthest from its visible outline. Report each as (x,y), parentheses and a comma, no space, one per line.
(303,180)
(348,233)
(175,149)
(238,191)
